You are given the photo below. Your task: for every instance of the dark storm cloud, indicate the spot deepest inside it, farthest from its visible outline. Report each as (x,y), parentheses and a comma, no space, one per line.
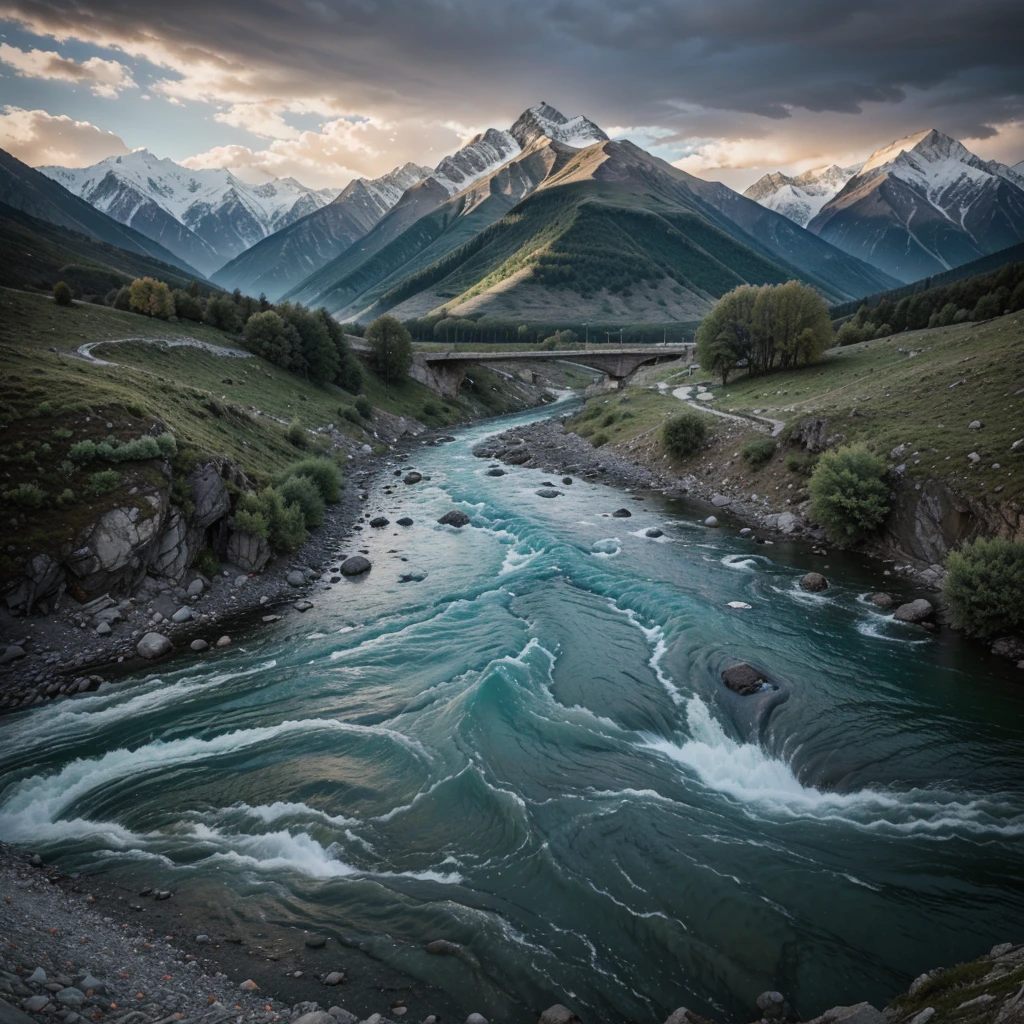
(954,65)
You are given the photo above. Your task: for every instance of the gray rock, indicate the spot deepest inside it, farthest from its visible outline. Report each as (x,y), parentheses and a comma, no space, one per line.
(203,940)
(195,588)
(199,645)
(622,513)
(342,1016)
(316,941)
(316,1017)
(773,1007)
(303,606)
(183,614)
(548,492)
(404,521)
(103,629)
(12,653)
(915,611)
(711,521)
(412,478)
(654,533)
(788,523)
(71,997)
(814,583)
(355,566)
(379,522)
(744,679)
(91,984)
(1000,950)
(113,552)
(37,977)
(476,1018)
(1011,647)
(720,501)
(295,579)
(36,1003)
(335,978)
(43,581)
(685,1016)
(972,457)
(456,518)
(495,472)
(209,495)
(860,1013)
(746,531)
(173,552)
(567,480)
(558,1014)
(154,645)
(248,552)
(881,600)
(924,1016)
(974,425)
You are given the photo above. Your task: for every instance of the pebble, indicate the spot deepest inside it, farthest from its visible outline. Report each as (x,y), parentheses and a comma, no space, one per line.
(195,588)
(37,977)
(224,641)
(303,606)
(199,645)
(711,521)
(36,1003)
(295,579)
(316,941)
(249,986)
(182,615)
(335,978)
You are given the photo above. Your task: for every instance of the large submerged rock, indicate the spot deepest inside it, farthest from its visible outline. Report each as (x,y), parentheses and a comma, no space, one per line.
(456,518)
(745,680)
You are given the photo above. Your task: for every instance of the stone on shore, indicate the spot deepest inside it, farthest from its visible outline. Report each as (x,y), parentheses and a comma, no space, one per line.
(335,978)
(182,615)
(355,566)
(224,641)
(456,518)
(711,521)
(295,579)
(476,1018)
(814,583)
(153,645)
(774,1008)
(915,611)
(558,1014)
(316,941)
(195,588)
(744,679)
(860,1013)
(622,513)
(199,645)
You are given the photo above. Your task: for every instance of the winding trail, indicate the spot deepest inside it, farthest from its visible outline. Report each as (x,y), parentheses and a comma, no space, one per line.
(85,351)
(773,427)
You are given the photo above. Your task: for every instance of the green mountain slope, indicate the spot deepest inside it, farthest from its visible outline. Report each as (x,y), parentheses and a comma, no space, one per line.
(614,232)
(26,189)
(34,252)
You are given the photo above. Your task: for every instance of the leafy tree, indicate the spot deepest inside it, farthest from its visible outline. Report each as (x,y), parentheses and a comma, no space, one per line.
(150,298)
(187,306)
(983,586)
(684,434)
(392,348)
(987,307)
(123,299)
(222,313)
(349,374)
(849,334)
(324,474)
(62,294)
(270,337)
(849,494)
(317,356)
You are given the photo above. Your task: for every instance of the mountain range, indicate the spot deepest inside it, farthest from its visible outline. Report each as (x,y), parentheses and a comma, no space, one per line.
(919,206)
(551,220)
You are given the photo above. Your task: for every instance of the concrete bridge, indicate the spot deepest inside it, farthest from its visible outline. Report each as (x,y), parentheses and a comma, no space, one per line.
(444,372)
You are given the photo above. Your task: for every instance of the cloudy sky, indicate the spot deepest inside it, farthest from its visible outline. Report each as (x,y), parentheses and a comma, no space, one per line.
(326,90)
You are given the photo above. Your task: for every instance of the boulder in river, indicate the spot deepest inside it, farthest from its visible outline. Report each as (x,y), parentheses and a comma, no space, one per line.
(814,583)
(654,533)
(378,522)
(711,521)
(566,480)
(860,1013)
(914,611)
(548,492)
(295,579)
(355,566)
(496,472)
(881,600)
(456,518)
(558,1014)
(744,679)
(199,644)
(153,645)
(622,513)
(774,1008)
(412,477)
(405,521)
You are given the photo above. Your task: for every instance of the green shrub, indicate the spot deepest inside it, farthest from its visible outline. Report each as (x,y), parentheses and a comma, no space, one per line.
(65,498)
(298,436)
(351,415)
(684,434)
(45,409)
(364,408)
(167,444)
(801,462)
(26,495)
(82,452)
(102,482)
(985,586)
(591,412)
(62,294)
(267,515)
(206,563)
(324,473)
(181,495)
(430,409)
(609,419)
(758,450)
(599,439)
(137,409)
(251,521)
(302,491)
(45,449)
(62,432)
(849,494)
(137,449)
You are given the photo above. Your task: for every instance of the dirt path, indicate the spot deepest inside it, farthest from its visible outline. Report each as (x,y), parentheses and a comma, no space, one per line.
(774,427)
(85,351)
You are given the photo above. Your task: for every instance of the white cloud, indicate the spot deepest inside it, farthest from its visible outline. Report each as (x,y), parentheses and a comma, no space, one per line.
(105,78)
(39,138)
(261,119)
(341,150)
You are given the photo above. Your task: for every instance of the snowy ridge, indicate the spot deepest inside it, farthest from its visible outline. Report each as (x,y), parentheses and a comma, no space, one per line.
(545,120)
(799,198)
(483,154)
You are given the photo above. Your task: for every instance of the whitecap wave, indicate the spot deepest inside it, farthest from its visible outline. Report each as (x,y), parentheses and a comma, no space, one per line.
(655,636)
(746,563)
(767,785)
(607,548)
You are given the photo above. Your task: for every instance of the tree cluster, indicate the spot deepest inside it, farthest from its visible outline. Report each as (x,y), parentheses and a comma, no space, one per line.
(980,297)
(766,328)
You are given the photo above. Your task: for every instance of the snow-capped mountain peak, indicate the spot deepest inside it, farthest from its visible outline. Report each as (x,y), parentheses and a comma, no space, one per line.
(545,120)
(478,158)
(801,196)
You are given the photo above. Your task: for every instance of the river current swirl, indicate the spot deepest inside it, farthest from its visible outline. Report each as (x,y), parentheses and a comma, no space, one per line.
(529,751)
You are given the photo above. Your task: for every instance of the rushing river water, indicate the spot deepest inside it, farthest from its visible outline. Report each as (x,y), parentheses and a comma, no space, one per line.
(530,752)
